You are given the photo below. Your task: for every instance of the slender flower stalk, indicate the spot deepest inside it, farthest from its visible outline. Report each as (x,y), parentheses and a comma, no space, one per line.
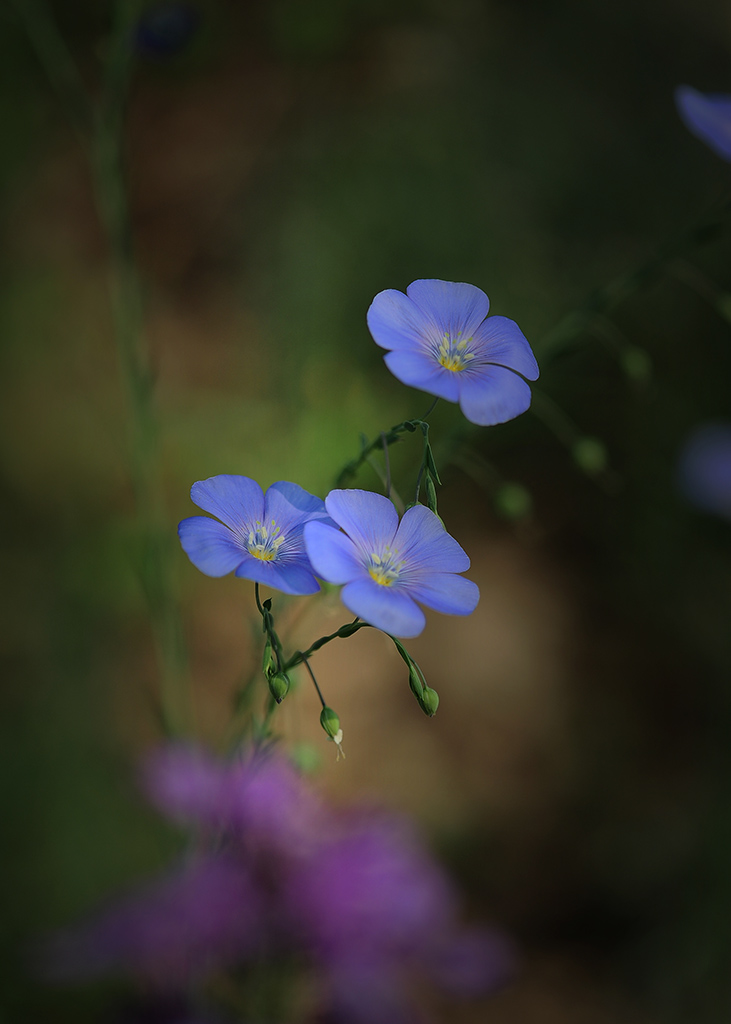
(100,127)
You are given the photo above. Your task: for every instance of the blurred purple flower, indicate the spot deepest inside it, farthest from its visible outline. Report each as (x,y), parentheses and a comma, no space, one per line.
(355,899)
(441,342)
(257,800)
(708,117)
(388,566)
(259,536)
(176,929)
(704,468)
(374,910)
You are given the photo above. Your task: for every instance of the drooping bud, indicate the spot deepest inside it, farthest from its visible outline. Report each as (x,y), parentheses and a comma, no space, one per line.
(417,687)
(268,664)
(329,721)
(429,701)
(279,686)
(331,724)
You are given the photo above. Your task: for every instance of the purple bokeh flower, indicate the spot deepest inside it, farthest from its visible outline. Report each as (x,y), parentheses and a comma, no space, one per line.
(704,468)
(387,566)
(353,899)
(707,116)
(259,536)
(441,342)
(258,801)
(201,917)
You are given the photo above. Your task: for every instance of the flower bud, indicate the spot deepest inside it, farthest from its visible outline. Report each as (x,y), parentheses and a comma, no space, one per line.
(268,664)
(279,686)
(429,701)
(330,722)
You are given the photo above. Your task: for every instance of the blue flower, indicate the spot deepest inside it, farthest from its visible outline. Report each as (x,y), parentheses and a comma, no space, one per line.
(260,535)
(441,343)
(706,117)
(704,468)
(388,566)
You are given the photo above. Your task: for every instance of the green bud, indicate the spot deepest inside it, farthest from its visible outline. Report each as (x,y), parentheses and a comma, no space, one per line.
(429,701)
(417,687)
(330,722)
(431,465)
(590,455)
(513,501)
(268,664)
(431,493)
(279,686)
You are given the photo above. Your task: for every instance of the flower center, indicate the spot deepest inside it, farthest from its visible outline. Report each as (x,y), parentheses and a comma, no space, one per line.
(264,542)
(385,568)
(453,353)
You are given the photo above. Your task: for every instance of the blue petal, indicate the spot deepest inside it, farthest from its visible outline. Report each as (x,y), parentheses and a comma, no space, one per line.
(421,370)
(210,546)
(289,504)
(396,322)
(453,307)
(492,394)
(370,519)
(425,545)
(290,578)
(387,608)
(706,117)
(235,500)
(445,592)
(501,341)
(332,554)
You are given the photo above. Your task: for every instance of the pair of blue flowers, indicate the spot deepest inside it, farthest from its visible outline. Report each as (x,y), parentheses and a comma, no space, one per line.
(439,340)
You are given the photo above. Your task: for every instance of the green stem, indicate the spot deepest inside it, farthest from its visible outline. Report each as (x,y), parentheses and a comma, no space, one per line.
(345,631)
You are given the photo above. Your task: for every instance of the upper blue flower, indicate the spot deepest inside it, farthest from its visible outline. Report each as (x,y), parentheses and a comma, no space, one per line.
(388,566)
(440,342)
(259,536)
(707,117)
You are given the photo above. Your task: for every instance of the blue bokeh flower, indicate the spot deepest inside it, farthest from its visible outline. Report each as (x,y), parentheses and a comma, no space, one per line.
(704,468)
(259,536)
(708,117)
(441,342)
(387,566)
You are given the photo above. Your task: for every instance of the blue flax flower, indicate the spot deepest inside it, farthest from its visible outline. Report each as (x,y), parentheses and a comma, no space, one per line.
(708,117)
(259,536)
(388,566)
(441,343)
(704,470)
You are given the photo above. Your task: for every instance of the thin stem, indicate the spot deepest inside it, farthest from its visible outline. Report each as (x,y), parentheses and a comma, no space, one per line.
(387,462)
(430,410)
(312,677)
(345,631)
(58,65)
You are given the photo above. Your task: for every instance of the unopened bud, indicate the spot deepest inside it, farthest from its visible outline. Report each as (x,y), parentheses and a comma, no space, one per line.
(331,724)
(279,686)
(429,701)
(417,687)
(268,664)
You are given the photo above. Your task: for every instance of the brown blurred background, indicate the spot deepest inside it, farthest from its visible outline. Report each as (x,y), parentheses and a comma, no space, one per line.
(286,161)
